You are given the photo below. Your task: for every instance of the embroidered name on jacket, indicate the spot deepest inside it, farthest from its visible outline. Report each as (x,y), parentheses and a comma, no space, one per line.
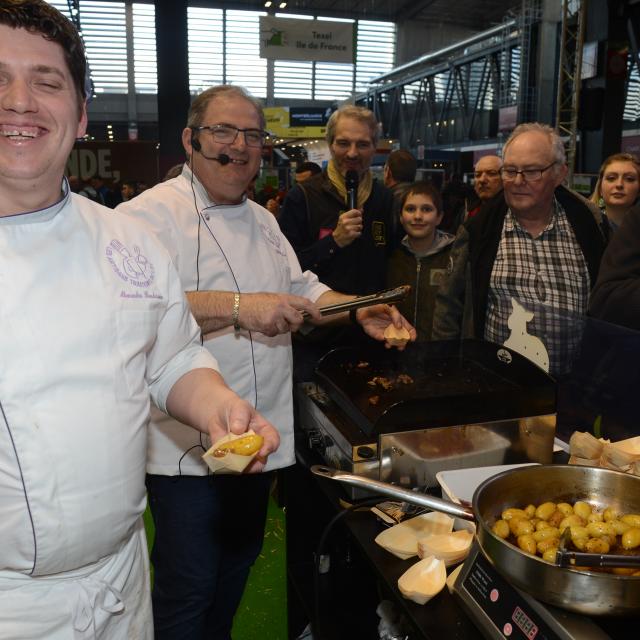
(130,265)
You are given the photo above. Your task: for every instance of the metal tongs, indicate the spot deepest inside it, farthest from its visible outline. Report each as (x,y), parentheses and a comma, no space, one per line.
(382,297)
(571,559)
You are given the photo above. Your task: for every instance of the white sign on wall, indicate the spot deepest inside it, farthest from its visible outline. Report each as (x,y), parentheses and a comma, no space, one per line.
(290,39)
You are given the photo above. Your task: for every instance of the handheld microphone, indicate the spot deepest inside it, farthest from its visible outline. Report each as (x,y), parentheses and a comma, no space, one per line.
(351,183)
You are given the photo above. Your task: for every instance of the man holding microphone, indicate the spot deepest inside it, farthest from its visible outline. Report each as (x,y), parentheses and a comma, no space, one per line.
(339,221)
(340,224)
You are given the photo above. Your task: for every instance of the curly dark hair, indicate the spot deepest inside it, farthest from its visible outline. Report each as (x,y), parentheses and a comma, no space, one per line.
(36,16)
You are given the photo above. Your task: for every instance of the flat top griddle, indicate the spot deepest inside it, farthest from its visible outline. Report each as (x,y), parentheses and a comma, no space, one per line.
(453,382)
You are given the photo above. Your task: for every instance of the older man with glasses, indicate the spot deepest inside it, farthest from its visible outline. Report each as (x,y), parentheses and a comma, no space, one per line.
(540,245)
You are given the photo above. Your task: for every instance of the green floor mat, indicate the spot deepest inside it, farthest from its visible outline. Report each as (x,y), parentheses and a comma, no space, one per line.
(263,611)
(262,614)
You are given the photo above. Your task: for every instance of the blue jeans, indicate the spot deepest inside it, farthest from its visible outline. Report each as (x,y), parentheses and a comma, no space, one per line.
(209,531)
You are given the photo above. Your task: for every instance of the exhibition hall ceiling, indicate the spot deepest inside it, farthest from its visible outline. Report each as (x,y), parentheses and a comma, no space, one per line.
(473,14)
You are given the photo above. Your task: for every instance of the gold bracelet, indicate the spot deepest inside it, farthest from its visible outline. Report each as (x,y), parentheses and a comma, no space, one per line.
(235,314)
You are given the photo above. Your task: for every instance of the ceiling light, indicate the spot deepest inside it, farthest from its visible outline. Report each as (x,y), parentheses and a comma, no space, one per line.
(283,5)
(267,4)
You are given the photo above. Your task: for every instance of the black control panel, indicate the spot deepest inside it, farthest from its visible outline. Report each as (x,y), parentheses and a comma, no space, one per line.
(502,604)
(502,611)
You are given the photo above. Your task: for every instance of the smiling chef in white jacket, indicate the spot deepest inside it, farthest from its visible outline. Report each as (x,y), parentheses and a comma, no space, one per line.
(94,324)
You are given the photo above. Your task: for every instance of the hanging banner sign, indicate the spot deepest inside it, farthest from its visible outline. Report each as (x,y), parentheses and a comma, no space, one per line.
(290,39)
(297,122)
(114,161)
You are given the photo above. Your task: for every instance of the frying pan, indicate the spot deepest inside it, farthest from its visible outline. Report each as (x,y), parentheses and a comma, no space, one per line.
(586,592)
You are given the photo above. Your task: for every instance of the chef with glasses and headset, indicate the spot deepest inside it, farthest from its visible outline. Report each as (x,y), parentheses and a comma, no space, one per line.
(539,244)
(248,293)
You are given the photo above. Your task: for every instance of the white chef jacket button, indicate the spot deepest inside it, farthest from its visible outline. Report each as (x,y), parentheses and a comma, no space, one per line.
(206,216)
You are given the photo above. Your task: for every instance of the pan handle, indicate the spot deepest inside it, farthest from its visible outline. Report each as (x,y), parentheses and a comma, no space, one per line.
(384,488)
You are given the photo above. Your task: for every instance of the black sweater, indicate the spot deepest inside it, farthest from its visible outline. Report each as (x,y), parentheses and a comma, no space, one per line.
(616,296)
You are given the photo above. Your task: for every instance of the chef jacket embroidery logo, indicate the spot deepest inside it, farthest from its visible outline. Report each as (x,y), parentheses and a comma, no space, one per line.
(273,239)
(131,266)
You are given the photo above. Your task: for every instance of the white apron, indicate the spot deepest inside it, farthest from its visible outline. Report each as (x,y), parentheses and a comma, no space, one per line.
(108,600)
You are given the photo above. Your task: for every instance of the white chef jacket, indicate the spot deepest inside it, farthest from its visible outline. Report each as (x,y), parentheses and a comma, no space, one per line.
(94,321)
(241,249)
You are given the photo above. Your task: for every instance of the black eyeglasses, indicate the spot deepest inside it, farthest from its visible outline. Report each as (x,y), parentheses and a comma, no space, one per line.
(530,175)
(227,134)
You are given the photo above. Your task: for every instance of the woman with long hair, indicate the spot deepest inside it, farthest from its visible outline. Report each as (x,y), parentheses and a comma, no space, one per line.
(618,187)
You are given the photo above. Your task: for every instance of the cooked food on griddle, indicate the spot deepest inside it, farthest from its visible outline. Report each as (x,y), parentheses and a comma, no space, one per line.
(387,384)
(381,381)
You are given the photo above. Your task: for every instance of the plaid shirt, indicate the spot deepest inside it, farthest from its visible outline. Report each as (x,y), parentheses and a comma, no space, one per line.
(548,276)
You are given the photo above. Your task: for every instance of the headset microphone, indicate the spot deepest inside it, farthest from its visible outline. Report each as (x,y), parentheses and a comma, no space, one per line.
(222,158)
(351,180)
